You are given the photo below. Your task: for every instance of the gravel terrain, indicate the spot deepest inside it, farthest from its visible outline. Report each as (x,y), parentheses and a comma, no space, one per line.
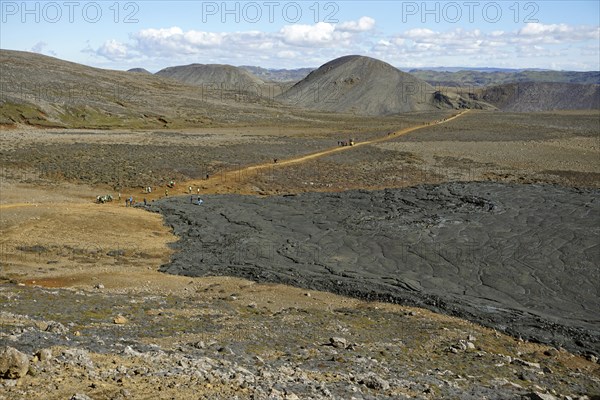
(216,338)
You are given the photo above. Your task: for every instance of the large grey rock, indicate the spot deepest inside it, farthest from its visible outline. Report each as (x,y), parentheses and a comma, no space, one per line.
(44,354)
(13,363)
(56,327)
(375,382)
(338,342)
(540,396)
(80,396)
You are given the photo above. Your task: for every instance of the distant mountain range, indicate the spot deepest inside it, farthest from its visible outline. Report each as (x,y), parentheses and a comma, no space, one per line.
(498,77)
(279,75)
(477,69)
(442,76)
(45,91)
(452,76)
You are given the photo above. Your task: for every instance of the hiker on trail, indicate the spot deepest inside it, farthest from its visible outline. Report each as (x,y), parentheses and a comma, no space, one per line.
(198,190)
(191,199)
(126,202)
(166,192)
(119,196)
(145,203)
(207,176)
(190,190)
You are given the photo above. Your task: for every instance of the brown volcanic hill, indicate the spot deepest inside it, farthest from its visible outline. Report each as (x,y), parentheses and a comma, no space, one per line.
(364,85)
(45,91)
(537,96)
(213,75)
(140,70)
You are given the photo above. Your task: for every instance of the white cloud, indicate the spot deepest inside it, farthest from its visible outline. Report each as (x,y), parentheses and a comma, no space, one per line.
(311,45)
(113,50)
(288,54)
(308,35)
(556,33)
(174,40)
(536,29)
(459,41)
(325,34)
(420,33)
(362,25)
(291,41)
(39,47)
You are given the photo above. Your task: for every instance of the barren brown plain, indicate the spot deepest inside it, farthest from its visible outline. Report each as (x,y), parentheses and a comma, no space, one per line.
(59,247)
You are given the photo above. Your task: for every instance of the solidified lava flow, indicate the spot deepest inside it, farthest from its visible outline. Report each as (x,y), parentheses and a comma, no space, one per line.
(523,259)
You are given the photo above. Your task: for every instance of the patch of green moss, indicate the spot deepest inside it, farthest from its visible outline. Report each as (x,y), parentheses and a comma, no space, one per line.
(12,113)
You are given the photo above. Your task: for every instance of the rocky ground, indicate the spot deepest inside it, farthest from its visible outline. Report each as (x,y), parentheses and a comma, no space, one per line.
(82,299)
(229,338)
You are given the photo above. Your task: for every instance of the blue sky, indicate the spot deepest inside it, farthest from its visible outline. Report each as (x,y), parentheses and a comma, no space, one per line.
(288,34)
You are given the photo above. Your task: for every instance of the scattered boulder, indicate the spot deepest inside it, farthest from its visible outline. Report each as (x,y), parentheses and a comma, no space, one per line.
(551,353)
(78,357)
(56,327)
(44,355)
(540,396)
(116,253)
(375,382)
(593,358)
(462,345)
(338,342)
(518,361)
(120,320)
(13,363)
(80,396)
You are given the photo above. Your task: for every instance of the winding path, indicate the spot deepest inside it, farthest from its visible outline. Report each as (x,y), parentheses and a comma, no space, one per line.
(236,174)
